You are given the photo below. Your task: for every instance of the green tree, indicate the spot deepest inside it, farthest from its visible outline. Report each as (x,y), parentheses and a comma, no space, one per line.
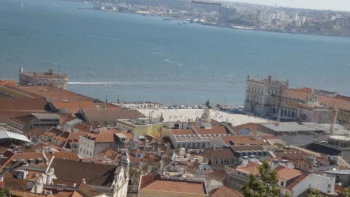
(346,192)
(315,193)
(266,186)
(4,192)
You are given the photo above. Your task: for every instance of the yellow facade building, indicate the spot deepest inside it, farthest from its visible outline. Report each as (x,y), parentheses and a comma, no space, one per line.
(142,126)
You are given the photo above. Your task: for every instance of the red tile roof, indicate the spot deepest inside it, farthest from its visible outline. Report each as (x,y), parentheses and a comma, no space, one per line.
(251,168)
(75,171)
(182,131)
(225,192)
(212,130)
(54,93)
(340,102)
(73,106)
(251,126)
(301,177)
(288,173)
(30,105)
(245,140)
(179,187)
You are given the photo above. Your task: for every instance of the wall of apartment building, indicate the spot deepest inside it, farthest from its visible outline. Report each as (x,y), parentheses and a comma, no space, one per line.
(343,178)
(86,148)
(318,182)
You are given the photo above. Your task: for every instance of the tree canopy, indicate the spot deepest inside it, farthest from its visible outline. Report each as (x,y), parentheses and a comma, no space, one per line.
(266,186)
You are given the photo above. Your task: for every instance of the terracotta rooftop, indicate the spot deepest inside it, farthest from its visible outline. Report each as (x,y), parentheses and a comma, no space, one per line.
(73,106)
(75,171)
(339,101)
(54,93)
(64,194)
(251,168)
(62,155)
(6,115)
(301,177)
(23,104)
(36,132)
(288,173)
(24,119)
(251,126)
(182,131)
(103,116)
(247,140)
(87,190)
(14,184)
(212,130)
(103,136)
(225,192)
(180,187)
(25,156)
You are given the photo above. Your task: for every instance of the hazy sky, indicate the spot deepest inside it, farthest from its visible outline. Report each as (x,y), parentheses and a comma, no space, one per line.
(313,4)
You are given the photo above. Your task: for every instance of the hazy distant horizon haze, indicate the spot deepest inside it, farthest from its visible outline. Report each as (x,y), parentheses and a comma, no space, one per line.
(339,5)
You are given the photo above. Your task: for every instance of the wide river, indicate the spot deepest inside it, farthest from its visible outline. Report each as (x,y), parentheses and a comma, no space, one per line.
(146,58)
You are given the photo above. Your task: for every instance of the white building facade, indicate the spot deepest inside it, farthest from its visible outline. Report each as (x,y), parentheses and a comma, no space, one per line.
(43,79)
(258,99)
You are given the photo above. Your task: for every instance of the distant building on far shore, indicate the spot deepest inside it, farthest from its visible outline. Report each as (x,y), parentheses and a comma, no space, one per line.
(43,79)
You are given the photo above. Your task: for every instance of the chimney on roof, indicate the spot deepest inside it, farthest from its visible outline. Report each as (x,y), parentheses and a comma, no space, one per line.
(21,70)
(83,181)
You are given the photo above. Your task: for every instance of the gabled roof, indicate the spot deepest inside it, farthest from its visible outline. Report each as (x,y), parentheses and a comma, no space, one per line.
(72,106)
(54,93)
(24,119)
(225,192)
(75,171)
(213,130)
(251,168)
(301,177)
(23,104)
(24,156)
(288,173)
(105,117)
(178,187)
(251,126)
(86,190)
(102,136)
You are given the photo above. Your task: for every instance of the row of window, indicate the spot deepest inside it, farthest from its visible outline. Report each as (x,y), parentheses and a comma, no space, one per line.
(256,99)
(45,125)
(86,152)
(260,90)
(193,145)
